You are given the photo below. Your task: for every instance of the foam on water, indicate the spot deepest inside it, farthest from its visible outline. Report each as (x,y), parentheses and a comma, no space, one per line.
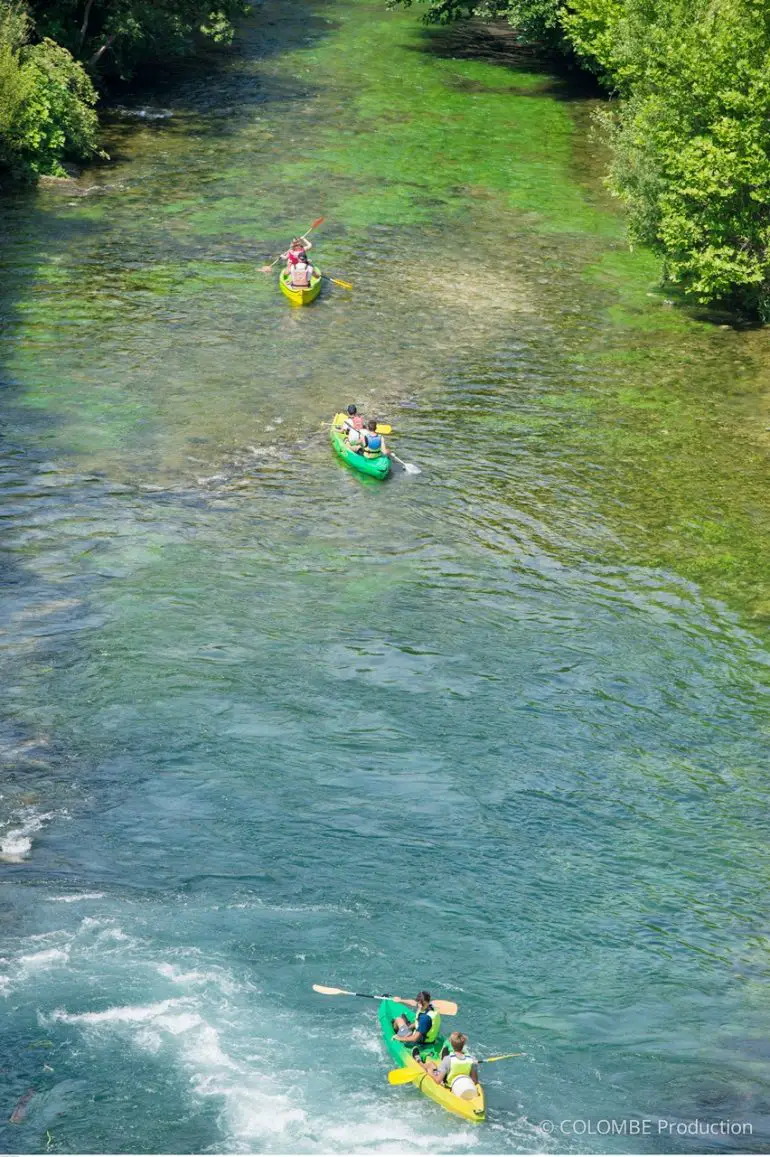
(46,959)
(196,978)
(119,1014)
(77,897)
(16,842)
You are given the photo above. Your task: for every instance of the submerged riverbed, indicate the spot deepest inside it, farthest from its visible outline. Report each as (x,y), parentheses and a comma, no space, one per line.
(499,729)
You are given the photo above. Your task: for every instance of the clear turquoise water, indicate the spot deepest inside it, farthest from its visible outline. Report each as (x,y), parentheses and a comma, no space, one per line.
(267,725)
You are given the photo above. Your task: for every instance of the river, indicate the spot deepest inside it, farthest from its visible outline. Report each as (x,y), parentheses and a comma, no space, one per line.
(498,729)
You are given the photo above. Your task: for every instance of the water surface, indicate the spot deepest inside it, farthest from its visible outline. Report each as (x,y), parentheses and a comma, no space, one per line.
(498,729)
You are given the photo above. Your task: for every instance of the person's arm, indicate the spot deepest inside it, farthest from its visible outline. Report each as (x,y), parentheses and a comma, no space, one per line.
(439,1072)
(383,447)
(306,243)
(475,1074)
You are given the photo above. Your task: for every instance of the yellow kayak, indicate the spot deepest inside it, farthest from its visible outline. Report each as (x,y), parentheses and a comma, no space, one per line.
(300,296)
(472,1110)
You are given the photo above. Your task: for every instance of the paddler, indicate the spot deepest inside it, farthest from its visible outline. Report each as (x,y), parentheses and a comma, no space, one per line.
(354,419)
(296,252)
(300,274)
(425,1027)
(374,443)
(457,1070)
(353,426)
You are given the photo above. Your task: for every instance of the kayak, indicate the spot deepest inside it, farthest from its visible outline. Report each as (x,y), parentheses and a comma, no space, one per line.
(473,1110)
(300,296)
(378,467)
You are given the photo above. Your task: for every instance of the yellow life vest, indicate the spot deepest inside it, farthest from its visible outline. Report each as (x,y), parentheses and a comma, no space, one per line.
(458,1067)
(435,1023)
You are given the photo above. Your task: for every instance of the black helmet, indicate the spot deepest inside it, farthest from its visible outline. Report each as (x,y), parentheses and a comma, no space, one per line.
(352,410)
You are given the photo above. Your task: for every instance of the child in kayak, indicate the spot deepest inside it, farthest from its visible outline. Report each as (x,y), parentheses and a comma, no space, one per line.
(374,443)
(457,1069)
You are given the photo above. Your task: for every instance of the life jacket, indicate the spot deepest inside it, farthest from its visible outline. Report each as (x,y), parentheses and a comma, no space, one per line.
(458,1067)
(435,1019)
(299,277)
(373,448)
(356,422)
(295,255)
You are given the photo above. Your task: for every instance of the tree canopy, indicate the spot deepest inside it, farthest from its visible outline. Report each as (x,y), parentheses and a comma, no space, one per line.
(55,54)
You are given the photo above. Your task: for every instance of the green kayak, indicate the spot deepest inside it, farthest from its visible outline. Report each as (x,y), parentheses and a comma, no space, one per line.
(378,467)
(471,1110)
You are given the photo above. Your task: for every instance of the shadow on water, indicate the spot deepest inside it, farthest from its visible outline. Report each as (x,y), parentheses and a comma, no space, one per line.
(43,239)
(227,84)
(498,43)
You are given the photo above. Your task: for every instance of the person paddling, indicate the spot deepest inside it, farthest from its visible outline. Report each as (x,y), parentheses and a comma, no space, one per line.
(353,427)
(425,1027)
(374,443)
(296,252)
(457,1070)
(354,420)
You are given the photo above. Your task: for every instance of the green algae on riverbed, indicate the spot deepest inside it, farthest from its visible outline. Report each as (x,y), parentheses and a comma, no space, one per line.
(270,702)
(426,163)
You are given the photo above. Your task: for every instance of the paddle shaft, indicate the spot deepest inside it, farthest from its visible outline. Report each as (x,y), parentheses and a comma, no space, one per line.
(445,1007)
(310,230)
(408,466)
(382,428)
(336,281)
(406,1076)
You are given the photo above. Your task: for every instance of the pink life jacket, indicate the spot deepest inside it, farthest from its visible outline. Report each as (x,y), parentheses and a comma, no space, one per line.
(295,255)
(356,422)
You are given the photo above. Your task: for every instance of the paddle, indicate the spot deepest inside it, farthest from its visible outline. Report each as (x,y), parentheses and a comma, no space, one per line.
(445,1007)
(382,427)
(406,1076)
(408,466)
(336,281)
(267,268)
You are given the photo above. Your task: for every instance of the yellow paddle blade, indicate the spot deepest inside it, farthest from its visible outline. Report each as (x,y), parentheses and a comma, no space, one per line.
(404,1076)
(343,284)
(382,428)
(502,1057)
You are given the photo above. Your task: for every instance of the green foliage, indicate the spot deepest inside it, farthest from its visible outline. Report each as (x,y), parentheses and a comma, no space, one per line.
(120,36)
(593,29)
(691,136)
(692,145)
(47,96)
(46,102)
(534,19)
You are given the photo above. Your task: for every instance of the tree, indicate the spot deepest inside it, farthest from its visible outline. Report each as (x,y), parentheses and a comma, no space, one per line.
(46,102)
(691,133)
(119,36)
(692,144)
